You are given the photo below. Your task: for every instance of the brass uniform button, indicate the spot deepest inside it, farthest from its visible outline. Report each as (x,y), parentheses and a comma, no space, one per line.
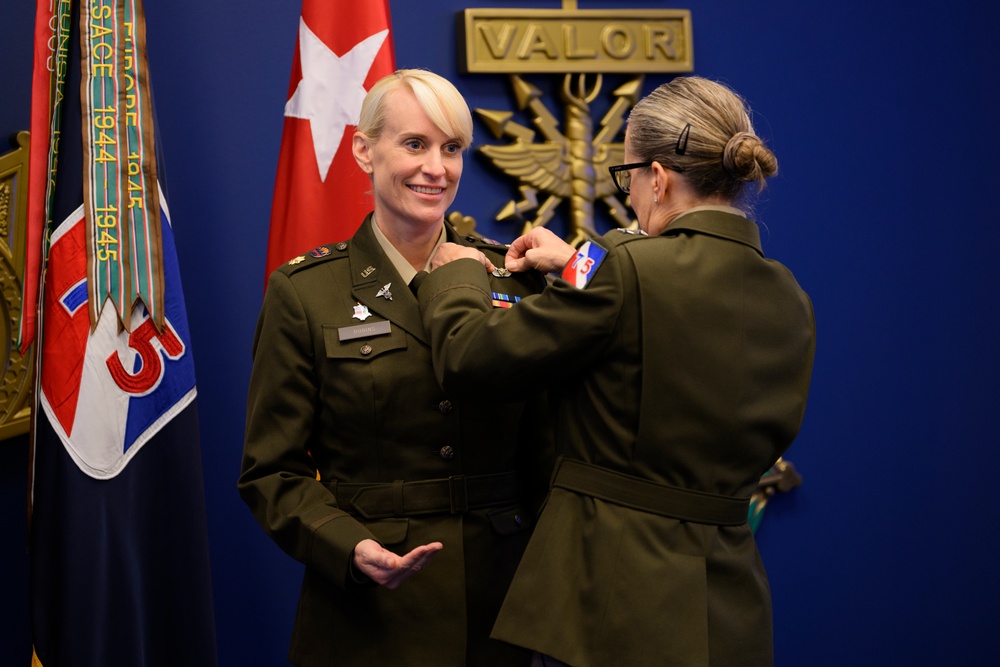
(366,349)
(447,452)
(445,407)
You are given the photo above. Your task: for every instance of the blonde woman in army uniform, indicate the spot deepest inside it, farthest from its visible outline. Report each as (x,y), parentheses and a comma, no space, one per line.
(679,361)
(356,462)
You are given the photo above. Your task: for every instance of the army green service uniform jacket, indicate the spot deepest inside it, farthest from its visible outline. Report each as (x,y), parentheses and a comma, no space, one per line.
(342,390)
(679,374)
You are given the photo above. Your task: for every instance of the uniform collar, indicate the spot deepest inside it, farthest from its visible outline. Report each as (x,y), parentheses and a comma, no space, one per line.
(721,221)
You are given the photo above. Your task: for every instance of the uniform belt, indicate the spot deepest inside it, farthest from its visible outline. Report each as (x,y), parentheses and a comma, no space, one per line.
(456,494)
(642,494)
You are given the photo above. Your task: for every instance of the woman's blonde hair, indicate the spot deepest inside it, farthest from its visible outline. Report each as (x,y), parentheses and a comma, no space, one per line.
(703,129)
(438,98)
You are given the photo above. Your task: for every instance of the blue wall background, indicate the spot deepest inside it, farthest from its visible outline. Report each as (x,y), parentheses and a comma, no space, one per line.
(883,116)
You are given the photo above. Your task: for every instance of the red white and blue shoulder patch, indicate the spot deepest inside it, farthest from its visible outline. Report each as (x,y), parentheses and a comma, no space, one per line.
(581,268)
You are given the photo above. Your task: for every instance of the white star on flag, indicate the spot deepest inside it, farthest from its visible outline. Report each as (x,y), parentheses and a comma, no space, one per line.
(332,88)
(320,194)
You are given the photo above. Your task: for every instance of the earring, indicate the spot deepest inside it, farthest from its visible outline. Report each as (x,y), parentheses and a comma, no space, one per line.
(655,200)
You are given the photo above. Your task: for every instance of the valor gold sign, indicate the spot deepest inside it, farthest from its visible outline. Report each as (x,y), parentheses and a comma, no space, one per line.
(571,163)
(574,40)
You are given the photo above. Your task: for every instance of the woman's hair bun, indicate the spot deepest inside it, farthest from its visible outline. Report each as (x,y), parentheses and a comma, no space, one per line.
(746,158)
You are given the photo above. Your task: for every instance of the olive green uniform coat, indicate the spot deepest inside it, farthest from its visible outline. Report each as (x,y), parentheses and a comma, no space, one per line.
(364,408)
(684,362)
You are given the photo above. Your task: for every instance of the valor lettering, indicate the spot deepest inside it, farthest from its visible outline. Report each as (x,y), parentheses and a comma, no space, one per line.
(571,44)
(659,40)
(536,40)
(618,41)
(585,41)
(499,45)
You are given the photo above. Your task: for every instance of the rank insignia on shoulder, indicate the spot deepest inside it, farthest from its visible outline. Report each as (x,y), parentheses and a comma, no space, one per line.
(296,260)
(581,268)
(492,241)
(623,230)
(321,251)
(501,300)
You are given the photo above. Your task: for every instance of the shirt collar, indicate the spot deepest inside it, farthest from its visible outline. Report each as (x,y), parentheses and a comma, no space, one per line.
(403,268)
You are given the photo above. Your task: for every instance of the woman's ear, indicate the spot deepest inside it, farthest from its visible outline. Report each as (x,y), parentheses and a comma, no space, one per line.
(660,181)
(361,148)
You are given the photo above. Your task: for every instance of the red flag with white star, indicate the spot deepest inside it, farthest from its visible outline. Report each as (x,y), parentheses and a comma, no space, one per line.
(320,193)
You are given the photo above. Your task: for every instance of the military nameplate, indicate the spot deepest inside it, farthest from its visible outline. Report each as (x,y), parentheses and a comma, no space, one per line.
(380,328)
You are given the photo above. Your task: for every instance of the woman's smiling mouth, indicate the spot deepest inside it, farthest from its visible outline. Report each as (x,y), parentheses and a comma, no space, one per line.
(426,189)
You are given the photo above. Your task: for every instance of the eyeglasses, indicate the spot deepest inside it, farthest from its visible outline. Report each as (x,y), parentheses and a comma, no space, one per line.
(621,174)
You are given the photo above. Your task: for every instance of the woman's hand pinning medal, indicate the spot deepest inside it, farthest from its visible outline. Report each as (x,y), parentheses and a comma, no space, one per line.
(449,252)
(539,249)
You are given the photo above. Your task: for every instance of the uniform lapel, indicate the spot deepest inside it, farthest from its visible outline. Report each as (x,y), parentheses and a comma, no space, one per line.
(372,273)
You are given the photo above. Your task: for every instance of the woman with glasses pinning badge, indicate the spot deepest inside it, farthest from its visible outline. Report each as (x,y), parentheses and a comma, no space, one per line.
(679,359)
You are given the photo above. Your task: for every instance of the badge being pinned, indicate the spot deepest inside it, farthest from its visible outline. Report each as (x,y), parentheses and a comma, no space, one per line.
(581,268)
(361,312)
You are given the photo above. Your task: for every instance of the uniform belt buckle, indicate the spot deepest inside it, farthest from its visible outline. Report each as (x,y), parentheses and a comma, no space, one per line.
(458,494)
